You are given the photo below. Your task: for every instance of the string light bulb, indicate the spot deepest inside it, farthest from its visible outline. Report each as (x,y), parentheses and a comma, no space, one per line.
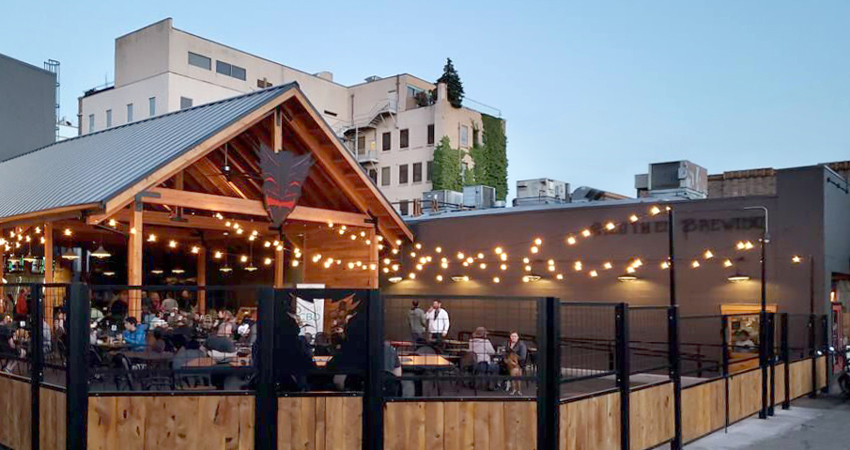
(593,274)
(172,244)
(497,280)
(655,210)
(538,241)
(796,259)
(610,226)
(439,278)
(497,250)
(633,218)
(665,265)
(607,265)
(571,240)
(727,263)
(586,232)
(695,264)
(708,254)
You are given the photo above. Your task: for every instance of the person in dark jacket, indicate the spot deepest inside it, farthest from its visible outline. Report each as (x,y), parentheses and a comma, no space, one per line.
(416,321)
(518,347)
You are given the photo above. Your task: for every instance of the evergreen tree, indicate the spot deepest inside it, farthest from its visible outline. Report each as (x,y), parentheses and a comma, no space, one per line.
(447,172)
(453,84)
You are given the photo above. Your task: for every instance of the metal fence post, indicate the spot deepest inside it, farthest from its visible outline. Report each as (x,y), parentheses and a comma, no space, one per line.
(724,327)
(814,356)
(763,362)
(786,358)
(771,355)
(621,327)
(675,374)
(549,374)
(76,370)
(265,409)
(36,361)
(826,352)
(373,401)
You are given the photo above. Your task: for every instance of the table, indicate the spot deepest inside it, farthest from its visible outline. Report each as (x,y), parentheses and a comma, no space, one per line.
(150,357)
(112,346)
(424,361)
(209,362)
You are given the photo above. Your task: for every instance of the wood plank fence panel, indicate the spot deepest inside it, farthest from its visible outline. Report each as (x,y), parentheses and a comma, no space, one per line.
(801,378)
(52,418)
(319,423)
(703,409)
(744,394)
(591,423)
(821,371)
(460,425)
(779,395)
(147,423)
(651,419)
(15,413)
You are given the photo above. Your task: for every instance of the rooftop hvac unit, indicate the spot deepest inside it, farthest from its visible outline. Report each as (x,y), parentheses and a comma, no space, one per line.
(543,188)
(444,197)
(677,178)
(479,197)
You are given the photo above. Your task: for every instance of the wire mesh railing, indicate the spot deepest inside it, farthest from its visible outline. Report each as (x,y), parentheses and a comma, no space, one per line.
(649,347)
(701,341)
(460,347)
(588,348)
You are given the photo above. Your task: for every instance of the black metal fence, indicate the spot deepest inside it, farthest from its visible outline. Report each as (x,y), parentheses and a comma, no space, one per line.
(271,343)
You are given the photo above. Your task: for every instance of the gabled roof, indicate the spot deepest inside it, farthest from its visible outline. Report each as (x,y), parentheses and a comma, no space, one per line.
(88,171)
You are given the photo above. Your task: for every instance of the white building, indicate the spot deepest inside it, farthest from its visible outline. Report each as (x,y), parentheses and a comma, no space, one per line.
(391,123)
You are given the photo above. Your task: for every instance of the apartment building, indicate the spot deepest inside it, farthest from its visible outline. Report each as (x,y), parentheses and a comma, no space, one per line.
(27,107)
(390,123)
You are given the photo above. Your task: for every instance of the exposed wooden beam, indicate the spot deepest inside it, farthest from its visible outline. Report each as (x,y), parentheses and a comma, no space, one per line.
(279,268)
(202,279)
(209,202)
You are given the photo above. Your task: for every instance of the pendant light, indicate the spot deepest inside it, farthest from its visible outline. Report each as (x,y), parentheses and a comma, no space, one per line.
(101,253)
(70,254)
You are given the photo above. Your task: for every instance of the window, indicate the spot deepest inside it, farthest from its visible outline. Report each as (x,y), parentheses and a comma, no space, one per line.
(185,102)
(385,176)
(417,172)
(238,73)
(429,167)
(152,106)
(402,174)
(402,207)
(361,143)
(108,118)
(386,141)
(230,70)
(373,174)
(464,136)
(129,112)
(91,123)
(431,134)
(200,61)
(404,138)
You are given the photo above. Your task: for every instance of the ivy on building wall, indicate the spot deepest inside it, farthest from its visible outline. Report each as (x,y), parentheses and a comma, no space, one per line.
(447,167)
(493,156)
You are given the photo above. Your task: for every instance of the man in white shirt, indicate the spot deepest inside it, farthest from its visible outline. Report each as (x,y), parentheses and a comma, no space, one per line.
(438,321)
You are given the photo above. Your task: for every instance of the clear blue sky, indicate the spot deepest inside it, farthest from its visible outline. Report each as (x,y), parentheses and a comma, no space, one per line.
(593,91)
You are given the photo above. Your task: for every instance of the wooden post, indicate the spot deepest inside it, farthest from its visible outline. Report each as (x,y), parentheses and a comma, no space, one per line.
(134,258)
(279,266)
(202,280)
(50,294)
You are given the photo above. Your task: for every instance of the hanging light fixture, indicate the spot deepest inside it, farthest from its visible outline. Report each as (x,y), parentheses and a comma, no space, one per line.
(225,268)
(101,253)
(157,271)
(109,274)
(627,277)
(459,278)
(178,271)
(737,278)
(395,279)
(531,278)
(70,254)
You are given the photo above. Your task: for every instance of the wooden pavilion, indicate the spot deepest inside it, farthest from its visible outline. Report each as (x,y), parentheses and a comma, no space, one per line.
(189,186)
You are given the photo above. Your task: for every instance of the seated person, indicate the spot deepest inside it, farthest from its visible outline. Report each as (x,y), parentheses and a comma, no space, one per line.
(169,305)
(135,334)
(220,348)
(483,350)
(392,367)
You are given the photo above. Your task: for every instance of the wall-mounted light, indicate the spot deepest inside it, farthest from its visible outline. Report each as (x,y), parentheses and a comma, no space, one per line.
(395,279)
(737,278)
(627,277)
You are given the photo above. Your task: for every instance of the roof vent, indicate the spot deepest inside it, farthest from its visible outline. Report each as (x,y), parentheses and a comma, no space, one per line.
(372,78)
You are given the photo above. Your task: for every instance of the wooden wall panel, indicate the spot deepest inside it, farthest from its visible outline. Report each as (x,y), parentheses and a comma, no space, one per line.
(52,417)
(703,409)
(779,395)
(148,423)
(744,395)
(592,423)
(320,423)
(651,418)
(15,413)
(460,425)
(821,367)
(801,378)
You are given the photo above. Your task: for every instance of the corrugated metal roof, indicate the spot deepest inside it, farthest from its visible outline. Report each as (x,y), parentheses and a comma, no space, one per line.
(95,167)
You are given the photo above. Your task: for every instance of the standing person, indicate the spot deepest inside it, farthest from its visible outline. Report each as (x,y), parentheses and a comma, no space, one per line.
(21,305)
(438,321)
(9,305)
(416,321)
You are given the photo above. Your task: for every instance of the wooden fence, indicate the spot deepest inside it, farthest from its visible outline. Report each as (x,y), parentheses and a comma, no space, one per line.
(591,423)
(454,425)
(15,413)
(52,417)
(319,423)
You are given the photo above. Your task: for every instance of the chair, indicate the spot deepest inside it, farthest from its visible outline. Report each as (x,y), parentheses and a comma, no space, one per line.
(123,375)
